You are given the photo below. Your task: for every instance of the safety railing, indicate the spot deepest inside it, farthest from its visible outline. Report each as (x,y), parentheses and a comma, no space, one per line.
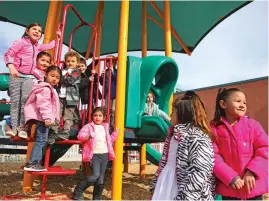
(62,26)
(104,81)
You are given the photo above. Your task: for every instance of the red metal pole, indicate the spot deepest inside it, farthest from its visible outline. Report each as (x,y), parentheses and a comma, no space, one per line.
(44,180)
(91,95)
(109,93)
(71,35)
(97,86)
(104,81)
(83,23)
(63,24)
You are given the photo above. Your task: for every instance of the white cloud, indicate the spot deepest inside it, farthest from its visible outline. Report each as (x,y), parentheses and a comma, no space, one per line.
(235,50)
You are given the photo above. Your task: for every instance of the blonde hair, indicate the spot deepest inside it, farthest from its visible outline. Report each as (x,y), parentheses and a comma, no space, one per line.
(72,54)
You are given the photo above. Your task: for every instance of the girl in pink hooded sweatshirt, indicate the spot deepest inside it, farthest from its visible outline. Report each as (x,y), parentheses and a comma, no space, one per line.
(43,106)
(20,58)
(241,149)
(97,149)
(43,61)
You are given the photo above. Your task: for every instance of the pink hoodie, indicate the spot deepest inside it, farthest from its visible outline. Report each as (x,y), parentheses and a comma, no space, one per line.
(43,103)
(88,131)
(239,148)
(39,74)
(23,54)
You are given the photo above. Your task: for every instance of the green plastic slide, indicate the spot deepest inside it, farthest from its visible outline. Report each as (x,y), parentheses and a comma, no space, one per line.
(153,155)
(141,74)
(153,127)
(4,109)
(4,78)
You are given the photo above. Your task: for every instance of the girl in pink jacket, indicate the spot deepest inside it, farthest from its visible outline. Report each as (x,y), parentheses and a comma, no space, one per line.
(20,58)
(43,61)
(97,150)
(241,149)
(43,106)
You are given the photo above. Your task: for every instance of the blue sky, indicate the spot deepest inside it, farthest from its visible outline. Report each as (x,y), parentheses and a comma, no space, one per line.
(235,50)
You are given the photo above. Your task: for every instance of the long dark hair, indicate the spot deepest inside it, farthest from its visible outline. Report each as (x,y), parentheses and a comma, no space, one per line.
(223,94)
(29,27)
(191,109)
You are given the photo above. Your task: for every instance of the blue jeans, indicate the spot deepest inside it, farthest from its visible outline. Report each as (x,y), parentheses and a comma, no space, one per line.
(40,142)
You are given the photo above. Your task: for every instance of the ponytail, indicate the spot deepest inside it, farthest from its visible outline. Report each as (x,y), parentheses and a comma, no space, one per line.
(223,94)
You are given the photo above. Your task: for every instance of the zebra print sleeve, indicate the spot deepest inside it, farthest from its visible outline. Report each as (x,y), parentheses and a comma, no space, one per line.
(199,164)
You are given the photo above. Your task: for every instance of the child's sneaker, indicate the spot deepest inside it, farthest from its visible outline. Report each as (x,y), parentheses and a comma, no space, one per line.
(34,167)
(22,133)
(10,133)
(51,140)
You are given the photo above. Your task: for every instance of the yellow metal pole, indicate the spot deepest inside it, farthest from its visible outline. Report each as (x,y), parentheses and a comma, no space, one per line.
(143,161)
(175,34)
(167,38)
(28,179)
(99,31)
(144,29)
(53,18)
(167,29)
(120,100)
(143,151)
(92,33)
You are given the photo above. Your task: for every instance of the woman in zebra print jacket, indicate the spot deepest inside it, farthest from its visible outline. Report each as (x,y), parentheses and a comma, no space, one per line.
(186,168)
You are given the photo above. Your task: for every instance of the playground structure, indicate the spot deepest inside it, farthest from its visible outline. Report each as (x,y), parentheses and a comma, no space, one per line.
(134,80)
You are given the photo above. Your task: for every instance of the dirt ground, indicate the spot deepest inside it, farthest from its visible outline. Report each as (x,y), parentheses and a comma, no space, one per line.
(134,188)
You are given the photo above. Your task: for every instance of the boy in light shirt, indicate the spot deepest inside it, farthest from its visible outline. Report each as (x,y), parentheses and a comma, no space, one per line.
(69,93)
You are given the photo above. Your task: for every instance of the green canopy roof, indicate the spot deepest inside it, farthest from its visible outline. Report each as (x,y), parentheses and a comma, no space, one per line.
(192,20)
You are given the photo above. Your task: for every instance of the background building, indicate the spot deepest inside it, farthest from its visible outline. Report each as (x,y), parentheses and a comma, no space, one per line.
(256,91)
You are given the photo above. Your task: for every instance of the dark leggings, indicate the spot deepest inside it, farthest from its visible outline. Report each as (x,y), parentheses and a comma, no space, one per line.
(98,166)
(232,198)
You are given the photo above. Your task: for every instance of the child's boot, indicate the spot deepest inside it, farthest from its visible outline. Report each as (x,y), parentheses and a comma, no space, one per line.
(98,191)
(78,194)
(79,189)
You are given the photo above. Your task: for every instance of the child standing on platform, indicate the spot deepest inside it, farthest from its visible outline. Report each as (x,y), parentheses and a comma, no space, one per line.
(152,109)
(43,106)
(88,76)
(241,149)
(20,58)
(69,94)
(43,61)
(186,167)
(97,150)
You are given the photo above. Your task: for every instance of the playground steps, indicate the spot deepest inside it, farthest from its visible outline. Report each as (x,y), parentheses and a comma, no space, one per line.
(53,170)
